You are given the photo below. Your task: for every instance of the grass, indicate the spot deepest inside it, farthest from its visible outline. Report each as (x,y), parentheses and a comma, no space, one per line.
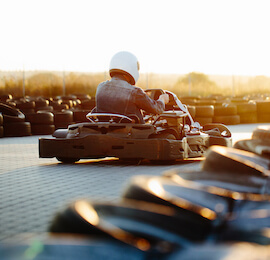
(51,84)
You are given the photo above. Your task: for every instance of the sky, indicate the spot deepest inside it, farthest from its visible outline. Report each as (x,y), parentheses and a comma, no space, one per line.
(228,37)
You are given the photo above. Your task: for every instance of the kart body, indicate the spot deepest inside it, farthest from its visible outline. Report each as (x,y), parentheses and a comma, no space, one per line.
(171,135)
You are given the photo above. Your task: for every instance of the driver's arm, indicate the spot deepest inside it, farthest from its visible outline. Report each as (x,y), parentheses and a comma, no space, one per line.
(144,102)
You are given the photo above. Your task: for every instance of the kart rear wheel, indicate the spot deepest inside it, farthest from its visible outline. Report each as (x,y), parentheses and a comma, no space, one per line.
(166,135)
(67,160)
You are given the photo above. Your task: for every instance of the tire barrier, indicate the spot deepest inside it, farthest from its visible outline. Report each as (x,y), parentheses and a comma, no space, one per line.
(175,215)
(79,116)
(247,112)
(263,111)
(1,125)
(14,122)
(259,143)
(213,109)
(42,123)
(17,129)
(62,119)
(204,114)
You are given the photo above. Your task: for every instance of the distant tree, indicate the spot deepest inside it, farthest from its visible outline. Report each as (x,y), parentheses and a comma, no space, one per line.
(44,84)
(195,83)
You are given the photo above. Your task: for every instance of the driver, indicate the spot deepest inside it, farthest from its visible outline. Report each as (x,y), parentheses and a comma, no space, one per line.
(120,95)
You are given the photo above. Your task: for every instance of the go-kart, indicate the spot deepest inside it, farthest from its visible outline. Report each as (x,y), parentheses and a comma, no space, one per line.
(169,136)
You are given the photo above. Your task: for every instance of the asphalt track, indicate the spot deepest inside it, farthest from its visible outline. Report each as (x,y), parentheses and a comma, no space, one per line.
(33,189)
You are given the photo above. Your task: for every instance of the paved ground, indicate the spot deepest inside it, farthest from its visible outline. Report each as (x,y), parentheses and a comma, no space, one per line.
(32,189)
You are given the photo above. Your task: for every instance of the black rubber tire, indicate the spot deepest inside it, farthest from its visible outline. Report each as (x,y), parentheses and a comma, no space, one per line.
(45,108)
(1,131)
(263,107)
(67,160)
(41,118)
(88,104)
(17,129)
(225,110)
(27,111)
(42,129)
(222,128)
(166,135)
(11,114)
(227,120)
(59,107)
(63,116)
(26,105)
(203,120)
(192,110)
(248,118)
(80,116)
(205,111)
(1,119)
(262,133)
(142,220)
(142,188)
(5,97)
(263,118)
(249,107)
(40,102)
(219,159)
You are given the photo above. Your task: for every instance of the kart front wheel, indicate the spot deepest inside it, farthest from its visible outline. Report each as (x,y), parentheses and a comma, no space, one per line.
(67,160)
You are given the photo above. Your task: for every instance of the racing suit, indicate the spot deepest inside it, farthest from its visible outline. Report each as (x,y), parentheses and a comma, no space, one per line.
(119,97)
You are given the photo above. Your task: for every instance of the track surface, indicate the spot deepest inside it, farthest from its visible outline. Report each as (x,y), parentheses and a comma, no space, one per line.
(33,189)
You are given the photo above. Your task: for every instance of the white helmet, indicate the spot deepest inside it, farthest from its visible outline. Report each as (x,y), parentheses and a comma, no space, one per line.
(125,63)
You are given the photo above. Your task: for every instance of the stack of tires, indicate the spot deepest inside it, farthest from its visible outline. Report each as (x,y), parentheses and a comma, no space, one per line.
(62,119)
(14,122)
(42,122)
(226,114)
(1,126)
(263,111)
(247,112)
(204,114)
(225,201)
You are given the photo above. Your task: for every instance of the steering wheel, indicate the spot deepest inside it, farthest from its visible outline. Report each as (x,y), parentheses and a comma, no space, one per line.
(156,92)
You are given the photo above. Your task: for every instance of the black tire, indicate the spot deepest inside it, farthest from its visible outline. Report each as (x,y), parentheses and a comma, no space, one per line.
(166,135)
(225,110)
(222,128)
(42,129)
(173,195)
(88,104)
(262,133)
(11,114)
(203,120)
(248,118)
(63,116)
(5,97)
(1,119)
(249,107)
(41,118)
(17,129)
(204,111)
(40,102)
(27,111)
(45,108)
(80,116)
(227,120)
(263,118)
(221,159)
(192,110)
(142,220)
(67,160)
(263,107)
(1,131)
(26,105)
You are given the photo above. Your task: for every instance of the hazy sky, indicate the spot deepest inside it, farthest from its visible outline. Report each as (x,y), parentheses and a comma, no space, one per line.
(172,36)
